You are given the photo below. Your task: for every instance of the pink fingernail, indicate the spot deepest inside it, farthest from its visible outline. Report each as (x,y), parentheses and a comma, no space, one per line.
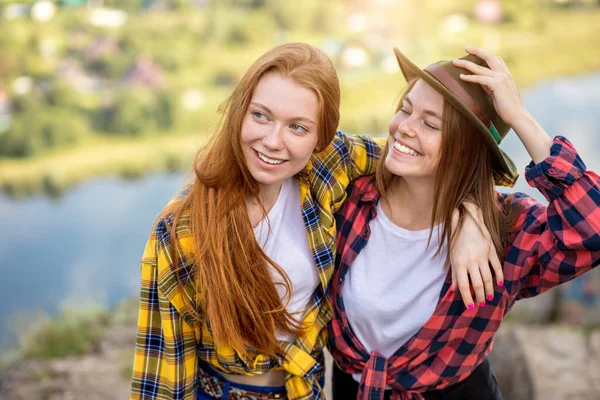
(491,297)
(501,283)
(471,307)
(482,304)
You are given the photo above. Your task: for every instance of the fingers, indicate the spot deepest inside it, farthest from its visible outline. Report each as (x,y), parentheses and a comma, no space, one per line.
(465,289)
(482,80)
(474,68)
(486,82)
(477,282)
(488,281)
(454,280)
(485,55)
(496,266)
(501,61)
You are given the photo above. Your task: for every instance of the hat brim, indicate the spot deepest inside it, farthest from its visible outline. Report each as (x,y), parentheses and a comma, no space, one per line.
(505,171)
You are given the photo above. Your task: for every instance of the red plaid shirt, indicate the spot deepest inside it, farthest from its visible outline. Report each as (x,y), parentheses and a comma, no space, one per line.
(550,245)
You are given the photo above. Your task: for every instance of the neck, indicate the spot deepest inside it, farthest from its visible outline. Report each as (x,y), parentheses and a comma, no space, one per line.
(409,203)
(268,195)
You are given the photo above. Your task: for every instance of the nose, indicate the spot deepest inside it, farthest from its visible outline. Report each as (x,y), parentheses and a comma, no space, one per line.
(406,127)
(272,140)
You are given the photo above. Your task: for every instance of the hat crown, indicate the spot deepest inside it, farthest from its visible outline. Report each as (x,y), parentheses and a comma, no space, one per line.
(474,90)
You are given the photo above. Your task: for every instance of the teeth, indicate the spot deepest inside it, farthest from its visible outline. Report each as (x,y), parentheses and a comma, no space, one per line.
(269,160)
(406,150)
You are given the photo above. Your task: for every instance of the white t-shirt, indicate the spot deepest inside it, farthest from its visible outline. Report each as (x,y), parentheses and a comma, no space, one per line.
(393,285)
(282,236)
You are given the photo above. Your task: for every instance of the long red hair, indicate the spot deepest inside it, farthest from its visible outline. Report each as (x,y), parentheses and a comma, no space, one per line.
(231,273)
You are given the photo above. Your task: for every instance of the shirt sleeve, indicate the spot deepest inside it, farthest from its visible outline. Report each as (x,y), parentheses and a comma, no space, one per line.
(556,243)
(356,155)
(331,170)
(165,358)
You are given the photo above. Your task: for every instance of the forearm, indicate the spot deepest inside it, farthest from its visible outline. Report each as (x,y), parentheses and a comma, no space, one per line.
(361,154)
(558,242)
(533,136)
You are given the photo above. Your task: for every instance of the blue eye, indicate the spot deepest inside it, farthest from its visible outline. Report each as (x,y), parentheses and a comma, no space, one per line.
(258,115)
(298,128)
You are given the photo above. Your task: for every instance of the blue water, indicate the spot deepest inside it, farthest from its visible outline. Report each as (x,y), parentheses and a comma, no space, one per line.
(82,248)
(85,246)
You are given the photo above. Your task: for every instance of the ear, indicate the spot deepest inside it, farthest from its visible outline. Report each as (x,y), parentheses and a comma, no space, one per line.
(319,147)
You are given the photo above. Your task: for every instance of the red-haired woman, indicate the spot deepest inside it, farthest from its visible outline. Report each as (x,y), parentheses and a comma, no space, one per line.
(235,274)
(397,331)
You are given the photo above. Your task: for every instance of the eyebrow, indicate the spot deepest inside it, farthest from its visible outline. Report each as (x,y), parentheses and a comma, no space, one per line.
(428,112)
(268,110)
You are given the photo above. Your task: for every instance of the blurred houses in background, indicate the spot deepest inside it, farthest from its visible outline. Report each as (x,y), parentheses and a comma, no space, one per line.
(72,72)
(5,110)
(144,73)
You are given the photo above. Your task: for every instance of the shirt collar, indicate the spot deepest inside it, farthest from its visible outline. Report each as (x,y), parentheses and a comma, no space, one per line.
(367,191)
(306,171)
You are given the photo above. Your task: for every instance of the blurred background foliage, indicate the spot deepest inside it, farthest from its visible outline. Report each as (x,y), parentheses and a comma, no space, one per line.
(99,76)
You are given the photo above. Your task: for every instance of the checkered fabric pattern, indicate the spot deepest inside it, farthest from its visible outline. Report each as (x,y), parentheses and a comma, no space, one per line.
(170,342)
(550,245)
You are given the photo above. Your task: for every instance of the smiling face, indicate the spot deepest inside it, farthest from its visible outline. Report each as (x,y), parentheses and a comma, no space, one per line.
(415,135)
(279,130)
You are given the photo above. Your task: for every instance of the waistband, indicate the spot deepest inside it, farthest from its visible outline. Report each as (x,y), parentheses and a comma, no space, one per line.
(214,384)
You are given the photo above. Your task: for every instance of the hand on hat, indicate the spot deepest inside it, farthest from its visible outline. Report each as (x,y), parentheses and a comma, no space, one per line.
(496,81)
(500,86)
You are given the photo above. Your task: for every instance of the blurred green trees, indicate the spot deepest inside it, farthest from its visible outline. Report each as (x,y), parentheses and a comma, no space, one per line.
(90,81)
(44,122)
(137,113)
(166,69)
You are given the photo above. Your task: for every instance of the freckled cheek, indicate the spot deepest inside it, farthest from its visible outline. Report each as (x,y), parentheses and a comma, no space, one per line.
(430,144)
(253,131)
(300,149)
(248,135)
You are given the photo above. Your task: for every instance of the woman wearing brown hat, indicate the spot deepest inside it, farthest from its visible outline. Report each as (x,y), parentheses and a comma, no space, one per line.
(398,331)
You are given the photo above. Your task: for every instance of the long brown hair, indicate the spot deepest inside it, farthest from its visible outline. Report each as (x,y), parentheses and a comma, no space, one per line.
(468,177)
(232,280)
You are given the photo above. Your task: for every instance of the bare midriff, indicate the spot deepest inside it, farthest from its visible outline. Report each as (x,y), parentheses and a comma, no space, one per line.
(270,378)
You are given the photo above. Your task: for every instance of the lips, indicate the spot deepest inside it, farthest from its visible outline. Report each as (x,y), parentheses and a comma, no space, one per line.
(404,149)
(268,159)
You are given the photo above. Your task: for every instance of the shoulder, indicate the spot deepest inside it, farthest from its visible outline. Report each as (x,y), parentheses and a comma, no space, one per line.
(358,193)
(516,199)
(345,146)
(520,206)
(173,214)
(361,186)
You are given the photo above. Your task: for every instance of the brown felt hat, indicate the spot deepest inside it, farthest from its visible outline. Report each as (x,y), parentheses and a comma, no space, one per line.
(471,101)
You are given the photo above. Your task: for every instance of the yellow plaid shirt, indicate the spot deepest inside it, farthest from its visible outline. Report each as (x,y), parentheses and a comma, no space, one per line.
(169,342)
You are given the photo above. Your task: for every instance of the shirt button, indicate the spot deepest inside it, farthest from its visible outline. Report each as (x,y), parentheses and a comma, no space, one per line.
(365,234)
